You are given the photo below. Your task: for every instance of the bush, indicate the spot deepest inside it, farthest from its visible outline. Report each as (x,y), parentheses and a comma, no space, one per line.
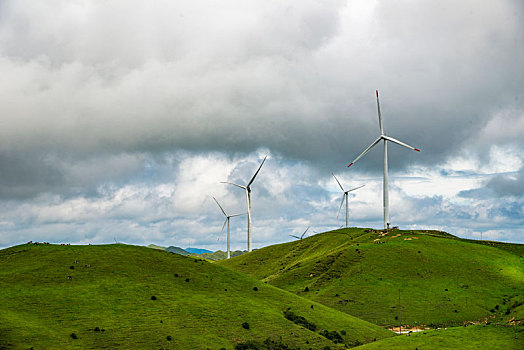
(97,329)
(187,279)
(169,338)
(343,332)
(299,320)
(334,336)
(74,336)
(245,325)
(268,344)
(306,289)
(255,289)
(153,298)
(247,345)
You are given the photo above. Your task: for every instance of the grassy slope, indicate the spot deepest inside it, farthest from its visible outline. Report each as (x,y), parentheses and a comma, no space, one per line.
(352,274)
(41,307)
(472,337)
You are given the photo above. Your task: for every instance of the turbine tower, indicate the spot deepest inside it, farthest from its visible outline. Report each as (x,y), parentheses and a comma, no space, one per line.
(345,196)
(302,234)
(247,188)
(385,138)
(226,222)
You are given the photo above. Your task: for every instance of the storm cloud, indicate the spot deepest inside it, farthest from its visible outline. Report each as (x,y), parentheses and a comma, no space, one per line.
(102,97)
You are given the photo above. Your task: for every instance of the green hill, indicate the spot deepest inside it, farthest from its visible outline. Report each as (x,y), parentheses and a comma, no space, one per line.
(464,338)
(129,297)
(219,255)
(442,280)
(177,250)
(154,246)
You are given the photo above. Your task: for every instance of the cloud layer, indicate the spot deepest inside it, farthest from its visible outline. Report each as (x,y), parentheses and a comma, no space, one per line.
(121,116)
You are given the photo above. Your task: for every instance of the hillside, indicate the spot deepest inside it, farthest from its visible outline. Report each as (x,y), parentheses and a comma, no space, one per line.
(129,297)
(442,280)
(472,337)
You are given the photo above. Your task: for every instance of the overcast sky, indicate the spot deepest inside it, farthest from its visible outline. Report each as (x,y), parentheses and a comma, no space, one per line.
(119,119)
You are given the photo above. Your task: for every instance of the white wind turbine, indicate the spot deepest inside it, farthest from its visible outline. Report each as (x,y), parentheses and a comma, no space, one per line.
(345,196)
(226,222)
(247,188)
(302,234)
(385,138)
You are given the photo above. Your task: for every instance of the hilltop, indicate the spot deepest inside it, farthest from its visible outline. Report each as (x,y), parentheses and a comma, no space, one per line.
(443,280)
(121,296)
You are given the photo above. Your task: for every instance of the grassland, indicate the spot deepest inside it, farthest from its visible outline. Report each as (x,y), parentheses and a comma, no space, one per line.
(471,337)
(443,280)
(130,297)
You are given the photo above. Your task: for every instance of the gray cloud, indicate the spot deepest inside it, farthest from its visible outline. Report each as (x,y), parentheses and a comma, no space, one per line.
(298,79)
(97,97)
(508,185)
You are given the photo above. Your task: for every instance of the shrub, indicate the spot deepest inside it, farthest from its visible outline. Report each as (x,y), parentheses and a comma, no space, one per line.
(267,344)
(247,345)
(187,279)
(97,329)
(169,338)
(153,298)
(334,336)
(74,336)
(245,325)
(255,289)
(306,289)
(343,332)
(72,267)
(176,274)
(299,320)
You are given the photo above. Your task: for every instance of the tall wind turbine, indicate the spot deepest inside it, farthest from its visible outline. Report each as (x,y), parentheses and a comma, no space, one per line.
(345,196)
(247,188)
(226,222)
(302,234)
(385,138)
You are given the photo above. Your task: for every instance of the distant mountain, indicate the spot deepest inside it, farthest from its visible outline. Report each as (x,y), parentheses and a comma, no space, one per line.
(197,250)
(177,250)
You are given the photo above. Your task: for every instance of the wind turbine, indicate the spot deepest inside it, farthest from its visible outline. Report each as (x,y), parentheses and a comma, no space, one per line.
(226,222)
(247,188)
(385,138)
(345,196)
(302,234)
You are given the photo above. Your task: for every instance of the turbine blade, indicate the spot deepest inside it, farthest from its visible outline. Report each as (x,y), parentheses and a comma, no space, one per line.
(225,222)
(295,236)
(225,182)
(356,188)
(400,143)
(341,203)
(342,188)
(253,178)
(237,215)
(220,206)
(379,116)
(365,151)
(305,232)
